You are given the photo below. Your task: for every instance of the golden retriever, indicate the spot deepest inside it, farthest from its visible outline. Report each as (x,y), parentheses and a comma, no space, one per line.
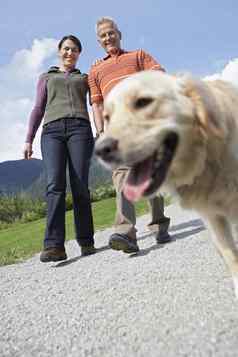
(179,134)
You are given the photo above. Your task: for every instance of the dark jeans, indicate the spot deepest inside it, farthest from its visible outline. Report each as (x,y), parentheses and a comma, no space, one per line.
(67,141)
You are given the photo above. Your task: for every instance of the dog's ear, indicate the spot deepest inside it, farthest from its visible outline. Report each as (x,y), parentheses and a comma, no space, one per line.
(205,107)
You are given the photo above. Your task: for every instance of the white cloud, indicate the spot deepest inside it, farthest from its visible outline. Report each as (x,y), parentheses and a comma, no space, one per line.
(14,116)
(229,73)
(17,92)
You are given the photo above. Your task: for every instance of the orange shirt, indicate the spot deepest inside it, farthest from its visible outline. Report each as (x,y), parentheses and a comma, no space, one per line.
(105,75)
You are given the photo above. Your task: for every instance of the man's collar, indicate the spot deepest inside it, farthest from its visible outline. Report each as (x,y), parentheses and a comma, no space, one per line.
(120,52)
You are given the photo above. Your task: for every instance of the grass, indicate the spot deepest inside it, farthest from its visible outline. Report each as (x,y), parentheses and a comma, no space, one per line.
(21,241)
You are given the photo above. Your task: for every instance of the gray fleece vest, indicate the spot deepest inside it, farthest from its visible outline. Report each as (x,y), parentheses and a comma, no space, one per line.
(66,95)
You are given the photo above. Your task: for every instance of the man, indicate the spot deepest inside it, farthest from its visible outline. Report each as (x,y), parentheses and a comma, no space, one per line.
(104,75)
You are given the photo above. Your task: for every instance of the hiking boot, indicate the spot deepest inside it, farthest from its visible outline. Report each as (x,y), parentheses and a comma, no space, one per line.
(123,242)
(53,255)
(163,236)
(87,250)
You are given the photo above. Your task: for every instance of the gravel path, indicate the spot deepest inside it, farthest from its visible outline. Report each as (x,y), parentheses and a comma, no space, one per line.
(167,301)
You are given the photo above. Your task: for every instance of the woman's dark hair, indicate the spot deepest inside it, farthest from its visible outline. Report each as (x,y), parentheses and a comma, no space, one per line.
(74,39)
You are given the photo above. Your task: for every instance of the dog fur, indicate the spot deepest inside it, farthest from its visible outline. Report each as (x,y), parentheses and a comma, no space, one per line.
(150,107)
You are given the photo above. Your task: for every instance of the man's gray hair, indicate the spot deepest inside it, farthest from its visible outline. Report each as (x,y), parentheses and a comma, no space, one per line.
(106,19)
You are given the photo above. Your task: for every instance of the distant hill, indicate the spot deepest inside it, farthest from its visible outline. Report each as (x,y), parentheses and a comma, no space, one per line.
(98,174)
(28,176)
(18,175)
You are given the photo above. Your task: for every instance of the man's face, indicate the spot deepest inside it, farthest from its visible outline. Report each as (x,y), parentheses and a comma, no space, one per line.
(109,38)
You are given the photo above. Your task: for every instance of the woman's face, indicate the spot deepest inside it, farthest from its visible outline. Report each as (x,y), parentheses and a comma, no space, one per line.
(69,54)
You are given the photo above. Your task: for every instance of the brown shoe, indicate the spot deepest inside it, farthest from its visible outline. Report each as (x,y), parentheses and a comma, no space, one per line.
(123,242)
(87,250)
(53,255)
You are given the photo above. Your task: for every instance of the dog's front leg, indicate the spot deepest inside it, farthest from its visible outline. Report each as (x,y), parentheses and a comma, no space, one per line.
(223,239)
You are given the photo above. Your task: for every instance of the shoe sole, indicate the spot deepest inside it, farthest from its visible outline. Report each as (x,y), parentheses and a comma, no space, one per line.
(53,259)
(122,245)
(164,240)
(86,254)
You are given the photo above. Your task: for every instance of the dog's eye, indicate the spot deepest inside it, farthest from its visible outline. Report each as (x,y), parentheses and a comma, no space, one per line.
(142,102)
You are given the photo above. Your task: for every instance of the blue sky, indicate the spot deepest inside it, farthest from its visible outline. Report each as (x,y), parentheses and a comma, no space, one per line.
(199,37)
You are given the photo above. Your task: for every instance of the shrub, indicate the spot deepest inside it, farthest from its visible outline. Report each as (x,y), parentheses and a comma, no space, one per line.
(20,208)
(29,217)
(103,192)
(68,202)
(23,208)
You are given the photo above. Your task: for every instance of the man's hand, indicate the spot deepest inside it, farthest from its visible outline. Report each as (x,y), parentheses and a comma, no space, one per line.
(27,151)
(98,61)
(98,118)
(98,134)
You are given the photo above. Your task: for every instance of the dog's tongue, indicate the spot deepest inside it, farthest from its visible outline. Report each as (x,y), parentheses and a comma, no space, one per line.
(134,193)
(138,180)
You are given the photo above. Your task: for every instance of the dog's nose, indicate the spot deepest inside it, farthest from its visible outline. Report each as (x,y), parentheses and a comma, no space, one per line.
(106,148)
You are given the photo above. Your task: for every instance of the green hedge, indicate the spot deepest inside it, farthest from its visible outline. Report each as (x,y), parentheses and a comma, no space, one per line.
(23,208)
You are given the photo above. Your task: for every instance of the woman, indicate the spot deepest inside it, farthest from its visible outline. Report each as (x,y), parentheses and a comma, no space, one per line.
(66,139)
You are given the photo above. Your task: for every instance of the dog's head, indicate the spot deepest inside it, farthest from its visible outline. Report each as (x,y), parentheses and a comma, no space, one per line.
(157,125)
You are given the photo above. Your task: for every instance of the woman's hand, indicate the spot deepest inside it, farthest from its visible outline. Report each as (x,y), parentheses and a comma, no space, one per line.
(27,152)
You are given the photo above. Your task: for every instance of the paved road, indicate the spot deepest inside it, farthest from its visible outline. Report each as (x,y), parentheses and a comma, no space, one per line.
(170,301)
